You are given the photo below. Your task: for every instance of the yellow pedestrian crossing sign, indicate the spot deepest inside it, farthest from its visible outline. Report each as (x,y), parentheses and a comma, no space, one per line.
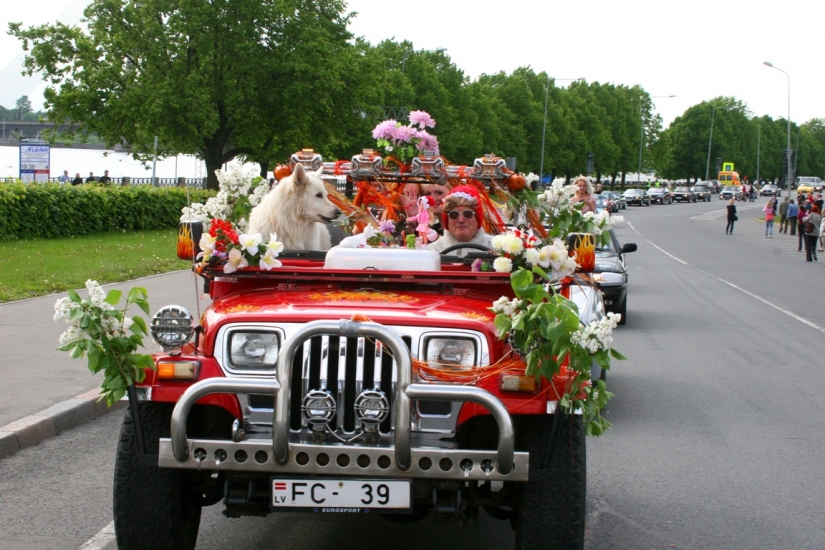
(727,167)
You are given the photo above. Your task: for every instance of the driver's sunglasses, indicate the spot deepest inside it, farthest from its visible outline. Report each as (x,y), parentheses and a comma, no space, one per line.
(454,214)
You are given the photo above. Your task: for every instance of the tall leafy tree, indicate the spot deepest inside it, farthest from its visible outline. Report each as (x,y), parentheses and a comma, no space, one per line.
(216,78)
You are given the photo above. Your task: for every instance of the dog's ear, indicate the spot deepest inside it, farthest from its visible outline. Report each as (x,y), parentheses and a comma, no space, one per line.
(299,175)
(320,172)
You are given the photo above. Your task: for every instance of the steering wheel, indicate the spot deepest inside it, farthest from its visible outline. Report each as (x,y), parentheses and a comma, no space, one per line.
(460,246)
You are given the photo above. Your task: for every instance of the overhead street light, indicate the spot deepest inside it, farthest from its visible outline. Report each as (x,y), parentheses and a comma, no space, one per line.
(642,136)
(710,140)
(789,174)
(544,125)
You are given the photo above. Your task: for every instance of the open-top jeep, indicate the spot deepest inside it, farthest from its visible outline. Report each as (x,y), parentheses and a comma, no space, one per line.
(335,384)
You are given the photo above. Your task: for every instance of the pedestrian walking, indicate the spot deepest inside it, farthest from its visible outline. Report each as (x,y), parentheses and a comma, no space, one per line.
(65,178)
(783,215)
(105,179)
(803,211)
(811,227)
(91,178)
(77,179)
(790,218)
(732,217)
(768,210)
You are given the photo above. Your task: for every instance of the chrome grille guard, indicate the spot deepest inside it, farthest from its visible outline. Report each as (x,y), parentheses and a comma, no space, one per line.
(405,393)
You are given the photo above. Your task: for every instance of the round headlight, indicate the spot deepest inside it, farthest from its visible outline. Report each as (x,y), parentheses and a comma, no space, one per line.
(172,327)
(371,407)
(318,408)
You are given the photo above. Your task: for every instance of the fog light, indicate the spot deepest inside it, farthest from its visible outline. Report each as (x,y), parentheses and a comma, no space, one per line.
(172,327)
(372,408)
(319,409)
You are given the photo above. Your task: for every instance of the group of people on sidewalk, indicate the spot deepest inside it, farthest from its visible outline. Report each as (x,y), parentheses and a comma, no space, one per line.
(802,217)
(77,180)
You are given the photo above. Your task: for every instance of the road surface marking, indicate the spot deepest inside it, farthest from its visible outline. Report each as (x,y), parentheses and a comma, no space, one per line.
(102,539)
(751,294)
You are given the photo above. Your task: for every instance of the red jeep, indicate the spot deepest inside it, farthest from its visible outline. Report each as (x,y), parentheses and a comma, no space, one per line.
(344,390)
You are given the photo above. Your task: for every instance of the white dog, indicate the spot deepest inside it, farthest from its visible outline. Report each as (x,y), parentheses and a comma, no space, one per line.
(296,209)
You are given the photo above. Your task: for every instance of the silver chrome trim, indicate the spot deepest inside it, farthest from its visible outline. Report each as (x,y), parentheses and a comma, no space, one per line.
(205,387)
(353,329)
(506,434)
(333,467)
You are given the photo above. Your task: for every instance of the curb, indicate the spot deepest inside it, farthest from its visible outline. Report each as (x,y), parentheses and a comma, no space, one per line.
(53,421)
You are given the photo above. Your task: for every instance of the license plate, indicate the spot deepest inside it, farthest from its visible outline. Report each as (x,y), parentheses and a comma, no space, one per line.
(340,496)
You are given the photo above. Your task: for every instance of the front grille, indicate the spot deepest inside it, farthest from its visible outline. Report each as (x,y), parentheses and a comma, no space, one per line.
(344,367)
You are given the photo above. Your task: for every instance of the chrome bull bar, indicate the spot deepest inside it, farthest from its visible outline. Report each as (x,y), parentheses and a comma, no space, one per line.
(405,393)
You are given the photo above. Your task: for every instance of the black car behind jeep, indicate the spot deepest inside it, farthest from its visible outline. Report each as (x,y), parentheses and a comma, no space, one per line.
(611,275)
(684,194)
(660,195)
(702,191)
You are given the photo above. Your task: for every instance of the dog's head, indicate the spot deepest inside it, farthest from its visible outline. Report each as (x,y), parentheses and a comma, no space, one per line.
(311,195)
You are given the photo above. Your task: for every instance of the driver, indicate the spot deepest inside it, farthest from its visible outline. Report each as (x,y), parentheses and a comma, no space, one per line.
(461,215)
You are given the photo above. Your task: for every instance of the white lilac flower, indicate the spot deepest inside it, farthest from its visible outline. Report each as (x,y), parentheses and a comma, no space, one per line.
(598,335)
(613,220)
(72,334)
(97,297)
(234,261)
(269,260)
(505,305)
(503,265)
(531,256)
(250,243)
(63,308)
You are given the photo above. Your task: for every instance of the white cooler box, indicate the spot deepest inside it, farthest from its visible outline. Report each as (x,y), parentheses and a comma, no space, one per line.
(383,259)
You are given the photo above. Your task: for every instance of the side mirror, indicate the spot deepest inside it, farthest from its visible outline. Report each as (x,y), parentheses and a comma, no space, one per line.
(628,247)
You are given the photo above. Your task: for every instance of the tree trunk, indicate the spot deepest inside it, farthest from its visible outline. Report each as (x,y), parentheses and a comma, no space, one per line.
(213,163)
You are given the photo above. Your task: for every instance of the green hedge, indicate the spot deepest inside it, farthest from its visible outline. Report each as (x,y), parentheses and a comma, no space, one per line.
(50,210)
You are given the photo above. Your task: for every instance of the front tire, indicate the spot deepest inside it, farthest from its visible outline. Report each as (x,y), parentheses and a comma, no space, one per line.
(623,311)
(550,508)
(152,507)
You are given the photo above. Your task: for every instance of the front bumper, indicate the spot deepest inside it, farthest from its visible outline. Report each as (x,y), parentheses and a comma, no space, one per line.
(282,456)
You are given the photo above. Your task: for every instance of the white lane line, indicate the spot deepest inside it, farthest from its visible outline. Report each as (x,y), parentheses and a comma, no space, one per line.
(740,289)
(766,302)
(100,540)
(665,252)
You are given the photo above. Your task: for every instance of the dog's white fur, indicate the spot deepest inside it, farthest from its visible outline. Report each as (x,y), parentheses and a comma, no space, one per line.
(296,209)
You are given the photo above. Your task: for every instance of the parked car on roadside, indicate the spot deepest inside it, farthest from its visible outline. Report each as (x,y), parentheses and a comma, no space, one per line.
(770,190)
(636,196)
(731,192)
(660,195)
(702,190)
(682,194)
(610,275)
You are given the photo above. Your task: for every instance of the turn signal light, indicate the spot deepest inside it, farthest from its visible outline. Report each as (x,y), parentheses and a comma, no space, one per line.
(177,370)
(522,384)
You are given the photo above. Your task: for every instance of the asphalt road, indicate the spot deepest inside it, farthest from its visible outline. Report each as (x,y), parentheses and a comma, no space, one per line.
(717,418)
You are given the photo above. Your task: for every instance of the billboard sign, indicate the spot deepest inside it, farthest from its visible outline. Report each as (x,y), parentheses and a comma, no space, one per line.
(34,161)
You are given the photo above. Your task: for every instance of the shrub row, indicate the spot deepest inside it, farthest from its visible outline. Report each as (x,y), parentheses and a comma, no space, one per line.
(51,210)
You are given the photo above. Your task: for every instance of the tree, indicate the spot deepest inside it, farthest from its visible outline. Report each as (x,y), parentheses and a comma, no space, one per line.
(216,79)
(22,107)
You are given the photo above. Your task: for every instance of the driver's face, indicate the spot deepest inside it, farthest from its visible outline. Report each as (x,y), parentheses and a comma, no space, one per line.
(463,229)
(437,192)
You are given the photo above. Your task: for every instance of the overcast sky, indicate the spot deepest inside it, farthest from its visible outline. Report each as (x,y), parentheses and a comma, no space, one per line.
(695,49)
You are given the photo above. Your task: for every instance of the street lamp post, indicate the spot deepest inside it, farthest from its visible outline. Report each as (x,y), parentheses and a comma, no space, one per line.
(788,175)
(642,134)
(710,140)
(544,125)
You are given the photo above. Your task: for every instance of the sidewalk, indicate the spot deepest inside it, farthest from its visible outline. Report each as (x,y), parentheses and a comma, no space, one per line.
(44,391)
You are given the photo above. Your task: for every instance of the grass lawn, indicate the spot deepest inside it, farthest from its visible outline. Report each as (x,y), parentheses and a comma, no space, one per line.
(43,266)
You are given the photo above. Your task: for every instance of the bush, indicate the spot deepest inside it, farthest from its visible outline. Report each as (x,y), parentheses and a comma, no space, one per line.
(51,210)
